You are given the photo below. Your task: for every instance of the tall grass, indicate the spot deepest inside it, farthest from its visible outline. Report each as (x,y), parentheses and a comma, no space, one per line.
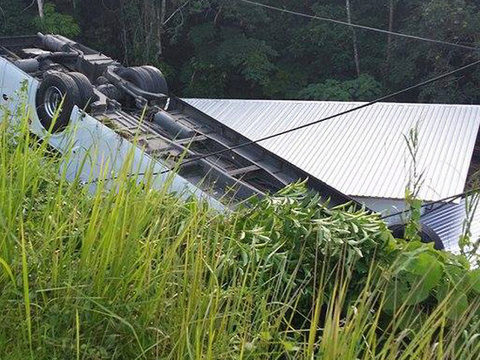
(130,272)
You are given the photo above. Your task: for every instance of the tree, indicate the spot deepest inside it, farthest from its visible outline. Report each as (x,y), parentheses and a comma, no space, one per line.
(354,38)
(391,12)
(40,8)
(16,18)
(224,48)
(364,87)
(54,22)
(416,61)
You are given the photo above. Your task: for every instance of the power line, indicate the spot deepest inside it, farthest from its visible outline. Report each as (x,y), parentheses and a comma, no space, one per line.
(444,202)
(387,97)
(177,10)
(363,27)
(268,137)
(383,98)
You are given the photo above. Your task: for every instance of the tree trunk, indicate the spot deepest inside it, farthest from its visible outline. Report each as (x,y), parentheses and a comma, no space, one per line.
(160,23)
(124,38)
(40,8)
(389,37)
(354,38)
(148,18)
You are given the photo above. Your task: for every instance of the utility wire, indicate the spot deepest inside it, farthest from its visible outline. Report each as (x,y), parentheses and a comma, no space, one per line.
(444,202)
(363,27)
(268,137)
(387,97)
(383,98)
(177,10)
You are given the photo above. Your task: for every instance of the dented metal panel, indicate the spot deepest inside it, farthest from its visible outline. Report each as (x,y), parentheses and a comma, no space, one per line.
(448,222)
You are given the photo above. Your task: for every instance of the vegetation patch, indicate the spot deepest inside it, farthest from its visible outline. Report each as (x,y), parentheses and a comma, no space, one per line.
(129,272)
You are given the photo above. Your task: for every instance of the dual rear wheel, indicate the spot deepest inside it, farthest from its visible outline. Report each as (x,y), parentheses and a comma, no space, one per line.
(58,94)
(146,78)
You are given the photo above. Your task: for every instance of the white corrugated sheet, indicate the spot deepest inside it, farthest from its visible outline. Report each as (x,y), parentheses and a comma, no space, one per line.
(363,153)
(448,222)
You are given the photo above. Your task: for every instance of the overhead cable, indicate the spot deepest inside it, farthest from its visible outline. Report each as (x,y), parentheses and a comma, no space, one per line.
(177,10)
(363,27)
(443,202)
(330,117)
(312,123)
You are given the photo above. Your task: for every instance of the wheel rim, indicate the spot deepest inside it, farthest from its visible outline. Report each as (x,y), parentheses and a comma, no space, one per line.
(53,98)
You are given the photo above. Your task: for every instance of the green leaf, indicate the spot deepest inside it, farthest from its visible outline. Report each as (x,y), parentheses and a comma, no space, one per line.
(422,272)
(441,291)
(416,294)
(290,346)
(458,306)
(474,280)
(265,336)
(7,270)
(428,267)
(395,293)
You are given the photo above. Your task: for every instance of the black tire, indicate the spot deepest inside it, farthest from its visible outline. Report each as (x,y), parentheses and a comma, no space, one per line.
(138,77)
(111,91)
(101,80)
(159,83)
(148,77)
(86,89)
(427,234)
(54,87)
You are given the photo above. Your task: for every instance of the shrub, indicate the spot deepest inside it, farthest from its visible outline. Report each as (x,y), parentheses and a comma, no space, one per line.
(54,22)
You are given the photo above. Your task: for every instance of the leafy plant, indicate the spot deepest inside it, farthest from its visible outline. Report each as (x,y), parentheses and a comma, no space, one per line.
(56,23)
(414,205)
(364,88)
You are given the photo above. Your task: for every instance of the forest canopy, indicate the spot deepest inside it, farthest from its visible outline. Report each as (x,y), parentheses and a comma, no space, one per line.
(234,49)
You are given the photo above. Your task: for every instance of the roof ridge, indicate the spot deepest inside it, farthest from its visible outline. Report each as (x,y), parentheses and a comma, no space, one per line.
(331,102)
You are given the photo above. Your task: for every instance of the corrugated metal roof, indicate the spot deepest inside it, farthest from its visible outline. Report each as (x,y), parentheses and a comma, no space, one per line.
(363,153)
(448,222)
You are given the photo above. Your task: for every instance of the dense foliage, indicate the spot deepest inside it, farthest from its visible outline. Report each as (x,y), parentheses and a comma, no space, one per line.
(132,272)
(226,48)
